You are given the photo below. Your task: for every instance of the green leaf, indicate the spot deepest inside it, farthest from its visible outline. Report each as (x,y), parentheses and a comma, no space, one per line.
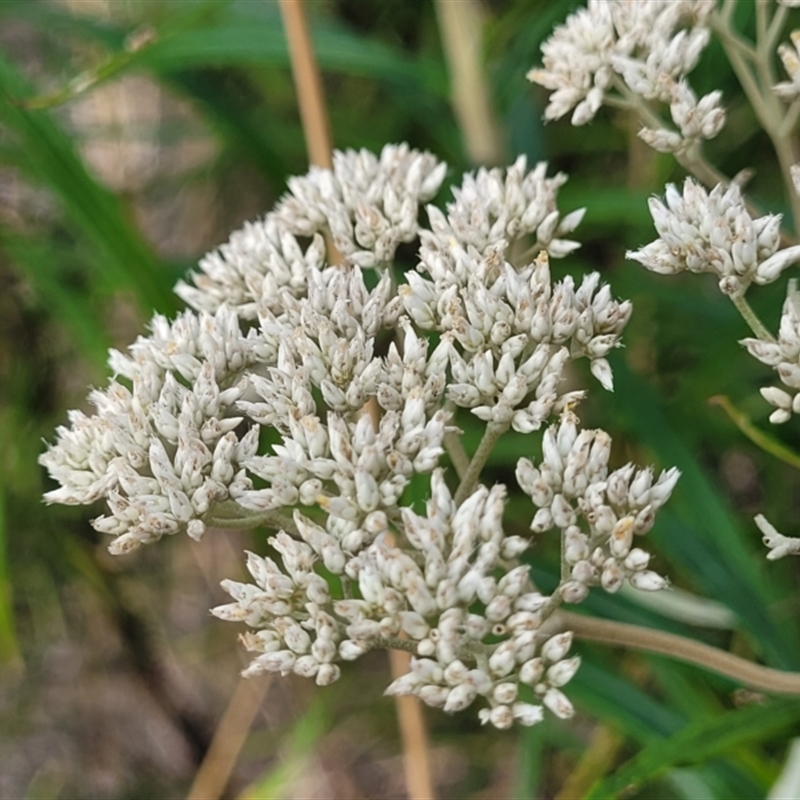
(766,441)
(698,742)
(93,212)
(43,264)
(298,745)
(9,647)
(697,528)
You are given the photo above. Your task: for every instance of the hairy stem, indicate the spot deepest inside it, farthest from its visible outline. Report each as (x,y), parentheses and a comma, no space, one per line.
(494,430)
(458,455)
(751,318)
(702,655)
(757,81)
(232,517)
(775,27)
(692,160)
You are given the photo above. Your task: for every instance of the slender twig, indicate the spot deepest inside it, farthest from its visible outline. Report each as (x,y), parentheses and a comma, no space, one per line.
(702,655)
(735,48)
(758,88)
(789,121)
(775,27)
(691,160)
(761,22)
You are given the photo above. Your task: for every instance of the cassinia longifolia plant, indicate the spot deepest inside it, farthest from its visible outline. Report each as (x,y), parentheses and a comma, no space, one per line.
(360,368)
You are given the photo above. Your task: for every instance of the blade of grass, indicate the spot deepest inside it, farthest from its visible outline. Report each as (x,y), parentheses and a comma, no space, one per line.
(93,212)
(299,745)
(9,646)
(698,528)
(71,306)
(698,742)
(769,444)
(606,694)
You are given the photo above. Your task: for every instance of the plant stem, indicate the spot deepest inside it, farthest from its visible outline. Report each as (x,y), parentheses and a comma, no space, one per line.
(245,519)
(758,88)
(765,441)
(692,160)
(459,457)
(461,29)
(494,430)
(229,738)
(308,83)
(702,655)
(775,27)
(414,733)
(751,318)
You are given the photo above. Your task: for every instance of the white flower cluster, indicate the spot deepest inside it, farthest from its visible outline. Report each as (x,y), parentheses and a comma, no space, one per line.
(778,544)
(637,53)
(359,376)
(368,205)
(790,57)
(164,450)
(440,591)
(573,483)
(702,231)
(784,357)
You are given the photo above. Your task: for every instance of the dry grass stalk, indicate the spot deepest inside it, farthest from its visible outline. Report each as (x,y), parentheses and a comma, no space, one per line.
(308,84)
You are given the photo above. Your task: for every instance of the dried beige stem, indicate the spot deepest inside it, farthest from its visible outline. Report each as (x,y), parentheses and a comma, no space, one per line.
(311,100)
(461,28)
(308,83)
(414,733)
(229,738)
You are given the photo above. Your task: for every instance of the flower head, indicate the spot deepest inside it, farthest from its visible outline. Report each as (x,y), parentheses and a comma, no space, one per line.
(359,378)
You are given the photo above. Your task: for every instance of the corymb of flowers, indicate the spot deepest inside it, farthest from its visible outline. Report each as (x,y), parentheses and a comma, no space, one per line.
(360,370)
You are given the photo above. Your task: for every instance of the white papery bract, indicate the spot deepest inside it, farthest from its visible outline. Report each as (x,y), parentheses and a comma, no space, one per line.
(702,231)
(627,48)
(358,377)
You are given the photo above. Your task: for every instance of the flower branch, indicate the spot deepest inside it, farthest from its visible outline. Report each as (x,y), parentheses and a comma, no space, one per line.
(754,676)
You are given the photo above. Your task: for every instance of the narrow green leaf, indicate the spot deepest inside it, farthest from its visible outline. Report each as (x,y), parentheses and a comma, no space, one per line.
(9,647)
(298,745)
(698,742)
(93,211)
(697,527)
(769,444)
(72,306)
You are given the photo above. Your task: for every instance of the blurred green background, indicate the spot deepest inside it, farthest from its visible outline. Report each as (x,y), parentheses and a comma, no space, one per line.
(134,136)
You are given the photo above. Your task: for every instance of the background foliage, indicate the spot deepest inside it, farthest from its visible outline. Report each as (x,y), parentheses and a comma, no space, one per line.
(134,136)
